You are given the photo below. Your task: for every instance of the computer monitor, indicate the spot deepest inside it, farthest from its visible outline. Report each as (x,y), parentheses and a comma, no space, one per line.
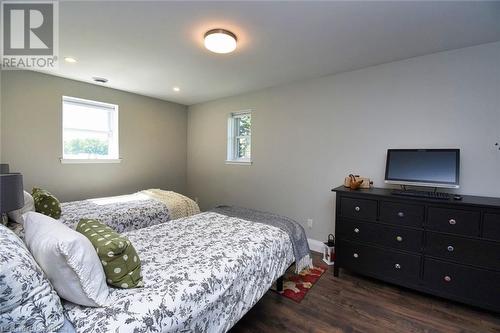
(423,167)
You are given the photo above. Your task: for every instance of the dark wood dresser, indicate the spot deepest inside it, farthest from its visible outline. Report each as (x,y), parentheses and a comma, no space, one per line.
(448,248)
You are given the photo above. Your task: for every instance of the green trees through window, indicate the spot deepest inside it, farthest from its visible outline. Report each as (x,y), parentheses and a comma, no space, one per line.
(244,125)
(86,146)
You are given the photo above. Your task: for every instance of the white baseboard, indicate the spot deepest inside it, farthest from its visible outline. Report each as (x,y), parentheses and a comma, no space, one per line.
(315,245)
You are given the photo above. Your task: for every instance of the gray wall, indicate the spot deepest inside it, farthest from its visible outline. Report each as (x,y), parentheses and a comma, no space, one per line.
(307,136)
(152,138)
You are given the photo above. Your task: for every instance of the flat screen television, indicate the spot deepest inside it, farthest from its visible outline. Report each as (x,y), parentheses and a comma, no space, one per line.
(423,167)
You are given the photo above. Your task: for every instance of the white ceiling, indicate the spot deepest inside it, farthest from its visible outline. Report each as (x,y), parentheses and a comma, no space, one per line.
(149,47)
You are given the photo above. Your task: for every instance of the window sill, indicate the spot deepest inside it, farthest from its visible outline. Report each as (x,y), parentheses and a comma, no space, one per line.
(236,162)
(89,161)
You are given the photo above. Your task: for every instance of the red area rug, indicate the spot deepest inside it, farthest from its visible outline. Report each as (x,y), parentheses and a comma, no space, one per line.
(296,286)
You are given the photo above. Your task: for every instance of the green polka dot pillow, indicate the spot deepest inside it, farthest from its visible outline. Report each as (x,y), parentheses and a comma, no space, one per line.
(119,259)
(46,203)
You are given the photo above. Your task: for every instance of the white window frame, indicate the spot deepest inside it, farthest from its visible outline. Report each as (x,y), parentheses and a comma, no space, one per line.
(113,131)
(232,136)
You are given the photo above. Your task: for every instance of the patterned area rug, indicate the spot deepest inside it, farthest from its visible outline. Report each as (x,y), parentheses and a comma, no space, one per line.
(296,286)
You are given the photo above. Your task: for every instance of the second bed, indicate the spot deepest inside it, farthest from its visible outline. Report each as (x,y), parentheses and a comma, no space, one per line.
(201,274)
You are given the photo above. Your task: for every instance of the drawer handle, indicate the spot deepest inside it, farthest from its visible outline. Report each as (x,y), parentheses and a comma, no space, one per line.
(357,208)
(450,248)
(356,230)
(399,238)
(401,214)
(355,255)
(397,266)
(447,278)
(452,221)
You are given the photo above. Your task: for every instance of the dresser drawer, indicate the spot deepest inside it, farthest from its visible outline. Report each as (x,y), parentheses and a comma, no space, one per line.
(359,208)
(404,214)
(491,226)
(466,251)
(377,234)
(385,264)
(455,221)
(457,281)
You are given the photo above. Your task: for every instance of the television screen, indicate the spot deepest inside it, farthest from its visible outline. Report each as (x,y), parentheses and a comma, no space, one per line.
(423,167)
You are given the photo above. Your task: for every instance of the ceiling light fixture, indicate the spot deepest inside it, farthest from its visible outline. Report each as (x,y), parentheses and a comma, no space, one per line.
(71,60)
(99,79)
(176,89)
(220,41)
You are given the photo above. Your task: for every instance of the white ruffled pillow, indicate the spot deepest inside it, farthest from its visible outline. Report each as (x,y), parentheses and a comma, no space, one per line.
(67,258)
(29,206)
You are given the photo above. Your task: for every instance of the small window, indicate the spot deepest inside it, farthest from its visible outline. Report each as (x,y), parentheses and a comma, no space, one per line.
(239,141)
(90,131)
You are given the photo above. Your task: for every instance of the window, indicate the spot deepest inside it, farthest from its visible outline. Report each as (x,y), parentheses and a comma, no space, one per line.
(90,131)
(239,140)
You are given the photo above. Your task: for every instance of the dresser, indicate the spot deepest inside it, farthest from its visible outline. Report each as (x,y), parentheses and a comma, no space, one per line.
(448,248)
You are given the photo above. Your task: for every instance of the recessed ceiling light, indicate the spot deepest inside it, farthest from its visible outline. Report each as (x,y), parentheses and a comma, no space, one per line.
(176,89)
(99,79)
(220,41)
(71,60)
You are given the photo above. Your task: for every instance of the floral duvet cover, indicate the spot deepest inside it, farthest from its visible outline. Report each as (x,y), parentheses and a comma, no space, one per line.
(201,274)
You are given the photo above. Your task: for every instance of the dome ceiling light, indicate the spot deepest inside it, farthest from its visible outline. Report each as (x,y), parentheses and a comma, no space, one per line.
(220,41)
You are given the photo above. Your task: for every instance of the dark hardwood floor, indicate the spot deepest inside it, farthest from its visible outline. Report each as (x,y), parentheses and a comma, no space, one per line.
(353,303)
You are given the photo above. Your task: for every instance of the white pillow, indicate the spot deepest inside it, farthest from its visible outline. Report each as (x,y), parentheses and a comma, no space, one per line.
(67,258)
(29,206)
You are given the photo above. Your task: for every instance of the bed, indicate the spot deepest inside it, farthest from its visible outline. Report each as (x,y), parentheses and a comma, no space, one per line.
(127,212)
(201,274)
(130,212)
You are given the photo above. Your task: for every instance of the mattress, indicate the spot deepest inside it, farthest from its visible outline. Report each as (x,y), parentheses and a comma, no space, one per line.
(201,274)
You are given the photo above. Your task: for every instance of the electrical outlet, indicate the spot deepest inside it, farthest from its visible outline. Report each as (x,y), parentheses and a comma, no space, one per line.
(309,223)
